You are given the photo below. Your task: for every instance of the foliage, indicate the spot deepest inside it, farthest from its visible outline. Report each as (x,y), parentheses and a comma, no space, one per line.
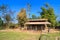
(58,23)
(22,17)
(1,23)
(34,16)
(48,13)
(6,14)
(7,18)
(12,25)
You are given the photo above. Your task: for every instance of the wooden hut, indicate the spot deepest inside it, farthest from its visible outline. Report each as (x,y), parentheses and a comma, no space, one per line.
(36,24)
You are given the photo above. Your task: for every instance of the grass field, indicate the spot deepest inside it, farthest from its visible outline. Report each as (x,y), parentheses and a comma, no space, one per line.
(50,36)
(18,36)
(23,36)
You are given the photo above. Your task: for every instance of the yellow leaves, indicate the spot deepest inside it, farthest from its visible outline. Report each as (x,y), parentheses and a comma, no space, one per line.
(22,18)
(22,13)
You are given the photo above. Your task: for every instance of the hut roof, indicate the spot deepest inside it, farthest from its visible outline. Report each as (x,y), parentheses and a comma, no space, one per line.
(37,19)
(37,23)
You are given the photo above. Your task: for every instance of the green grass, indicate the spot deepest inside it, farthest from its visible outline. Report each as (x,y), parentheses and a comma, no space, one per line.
(50,36)
(24,36)
(17,36)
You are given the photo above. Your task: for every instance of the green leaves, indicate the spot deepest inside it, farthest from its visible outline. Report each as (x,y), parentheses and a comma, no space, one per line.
(48,13)
(6,14)
(1,22)
(34,16)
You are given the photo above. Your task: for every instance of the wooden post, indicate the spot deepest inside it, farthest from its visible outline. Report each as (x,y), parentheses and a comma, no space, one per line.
(31,27)
(41,29)
(46,26)
(25,27)
(36,28)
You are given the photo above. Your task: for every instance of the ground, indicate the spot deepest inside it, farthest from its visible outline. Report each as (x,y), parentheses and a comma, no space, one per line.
(18,35)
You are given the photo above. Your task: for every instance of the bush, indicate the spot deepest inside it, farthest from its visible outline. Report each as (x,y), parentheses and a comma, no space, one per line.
(12,26)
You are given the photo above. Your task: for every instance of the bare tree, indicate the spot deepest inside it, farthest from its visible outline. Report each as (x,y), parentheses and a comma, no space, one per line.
(28,9)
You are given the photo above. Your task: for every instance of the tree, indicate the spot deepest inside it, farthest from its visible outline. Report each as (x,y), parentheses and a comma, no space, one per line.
(34,16)
(22,18)
(58,23)
(7,19)
(48,13)
(1,22)
(28,9)
(6,14)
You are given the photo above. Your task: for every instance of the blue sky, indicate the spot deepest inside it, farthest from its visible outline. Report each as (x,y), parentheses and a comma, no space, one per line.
(16,5)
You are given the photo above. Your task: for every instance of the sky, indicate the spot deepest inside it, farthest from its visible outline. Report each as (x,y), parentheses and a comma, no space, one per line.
(36,5)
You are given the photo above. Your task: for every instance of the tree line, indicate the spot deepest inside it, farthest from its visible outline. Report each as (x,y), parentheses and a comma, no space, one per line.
(6,17)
